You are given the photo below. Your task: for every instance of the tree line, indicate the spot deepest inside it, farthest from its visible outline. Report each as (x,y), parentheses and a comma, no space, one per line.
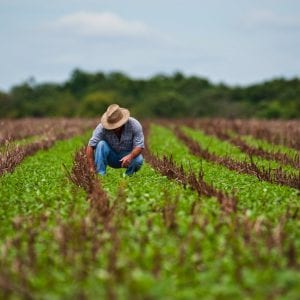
(167,96)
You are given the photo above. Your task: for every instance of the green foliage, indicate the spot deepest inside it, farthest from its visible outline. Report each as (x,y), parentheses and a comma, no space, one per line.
(266,198)
(33,186)
(95,102)
(259,143)
(224,148)
(164,105)
(176,95)
(162,241)
(6,110)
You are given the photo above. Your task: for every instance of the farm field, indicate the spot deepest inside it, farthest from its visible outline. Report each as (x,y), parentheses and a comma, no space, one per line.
(212,214)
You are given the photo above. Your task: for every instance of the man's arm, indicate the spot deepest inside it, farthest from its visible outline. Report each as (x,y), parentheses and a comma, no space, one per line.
(138,143)
(94,140)
(126,160)
(90,158)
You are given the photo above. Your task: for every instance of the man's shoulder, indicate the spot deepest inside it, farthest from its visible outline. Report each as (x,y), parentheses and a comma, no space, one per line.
(99,128)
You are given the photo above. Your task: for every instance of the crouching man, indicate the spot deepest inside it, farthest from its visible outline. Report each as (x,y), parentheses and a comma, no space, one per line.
(117,141)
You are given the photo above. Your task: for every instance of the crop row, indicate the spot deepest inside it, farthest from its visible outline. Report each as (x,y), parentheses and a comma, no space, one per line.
(248,144)
(146,236)
(167,167)
(273,175)
(153,238)
(85,249)
(225,148)
(39,184)
(276,132)
(224,133)
(11,130)
(11,156)
(257,196)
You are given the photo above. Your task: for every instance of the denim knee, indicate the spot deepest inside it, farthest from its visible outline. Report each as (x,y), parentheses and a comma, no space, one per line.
(102,147)
(135,165)
(138,161)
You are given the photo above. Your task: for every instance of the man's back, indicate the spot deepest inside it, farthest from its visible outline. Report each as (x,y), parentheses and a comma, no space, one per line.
(118,142)
(132,136)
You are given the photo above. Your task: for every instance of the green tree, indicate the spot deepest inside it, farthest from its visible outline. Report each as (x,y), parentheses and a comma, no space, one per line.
(5,105)
(95,104)
(168,105)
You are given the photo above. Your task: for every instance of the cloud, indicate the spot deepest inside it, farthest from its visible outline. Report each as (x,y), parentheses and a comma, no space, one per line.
(100,24)
(271,20)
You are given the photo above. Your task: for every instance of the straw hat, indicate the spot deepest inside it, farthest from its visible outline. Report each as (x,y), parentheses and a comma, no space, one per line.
(114,117)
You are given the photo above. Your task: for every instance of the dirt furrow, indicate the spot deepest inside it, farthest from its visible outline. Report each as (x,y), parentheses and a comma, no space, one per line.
(11,130)
(11,157)
(274,131)
(167,167)
(221,132)
(277,175)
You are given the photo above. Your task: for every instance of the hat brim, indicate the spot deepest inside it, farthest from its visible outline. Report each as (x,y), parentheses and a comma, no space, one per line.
(110,126)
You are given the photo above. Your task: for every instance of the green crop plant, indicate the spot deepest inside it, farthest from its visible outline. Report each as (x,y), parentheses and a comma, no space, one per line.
(39,184)
(147,245)
(141,254)
(256,196)
(224,148)
(259,143)
(159,239)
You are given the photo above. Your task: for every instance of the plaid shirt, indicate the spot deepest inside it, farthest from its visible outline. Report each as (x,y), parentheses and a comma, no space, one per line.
(132,136)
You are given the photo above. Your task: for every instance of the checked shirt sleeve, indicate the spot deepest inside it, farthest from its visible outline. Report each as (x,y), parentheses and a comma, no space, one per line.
(138,135)
(97,136)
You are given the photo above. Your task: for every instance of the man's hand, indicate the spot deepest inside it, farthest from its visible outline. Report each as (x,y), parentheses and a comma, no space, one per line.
(90,158)
(93,170)
(126,160)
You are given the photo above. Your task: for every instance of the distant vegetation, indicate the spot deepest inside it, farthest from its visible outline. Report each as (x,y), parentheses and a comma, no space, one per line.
(87,95)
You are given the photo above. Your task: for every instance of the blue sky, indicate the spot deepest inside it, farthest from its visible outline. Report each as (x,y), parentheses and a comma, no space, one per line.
(236,42)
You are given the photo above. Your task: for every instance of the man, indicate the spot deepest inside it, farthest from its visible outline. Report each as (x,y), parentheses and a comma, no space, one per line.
(117,141)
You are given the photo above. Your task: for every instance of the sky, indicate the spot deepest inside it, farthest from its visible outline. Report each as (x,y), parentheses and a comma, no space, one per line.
(235,42)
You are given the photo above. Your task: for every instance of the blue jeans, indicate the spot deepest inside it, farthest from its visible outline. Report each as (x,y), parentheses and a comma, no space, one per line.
(105,155)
